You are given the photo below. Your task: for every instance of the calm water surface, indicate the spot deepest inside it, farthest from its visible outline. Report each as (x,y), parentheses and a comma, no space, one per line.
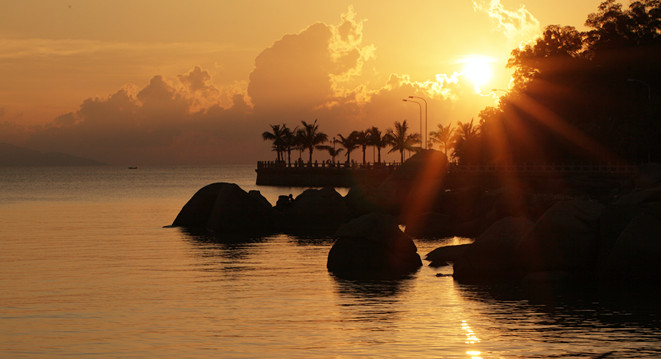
(87,270)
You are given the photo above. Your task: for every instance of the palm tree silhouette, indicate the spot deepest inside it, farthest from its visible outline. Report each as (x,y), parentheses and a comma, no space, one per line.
(276,135)
(400,140)
(464,137)
(444,136)
(310,137)
(349,143)
(377,140)
(289,141)
(362,141)
(333,152)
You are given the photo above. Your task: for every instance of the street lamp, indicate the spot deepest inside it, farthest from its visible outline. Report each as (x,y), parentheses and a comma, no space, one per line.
(420,106)
(425,101)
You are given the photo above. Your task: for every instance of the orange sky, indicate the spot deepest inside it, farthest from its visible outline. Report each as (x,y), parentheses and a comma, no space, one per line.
(197,82)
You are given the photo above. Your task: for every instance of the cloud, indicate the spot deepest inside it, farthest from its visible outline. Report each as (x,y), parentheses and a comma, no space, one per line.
(518,25)
(159,123)
(315,73)
(17,48)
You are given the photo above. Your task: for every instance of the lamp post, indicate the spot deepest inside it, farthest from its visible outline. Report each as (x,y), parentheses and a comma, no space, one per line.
(420,106)
(425,101)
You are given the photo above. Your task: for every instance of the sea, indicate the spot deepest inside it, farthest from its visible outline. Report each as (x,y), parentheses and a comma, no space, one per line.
(89,269)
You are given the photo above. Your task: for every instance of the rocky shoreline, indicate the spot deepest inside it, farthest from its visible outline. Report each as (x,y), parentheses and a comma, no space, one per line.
(605,230)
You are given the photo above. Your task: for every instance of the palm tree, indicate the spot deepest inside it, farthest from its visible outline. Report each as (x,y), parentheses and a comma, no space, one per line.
(349,143)
(289,141)
(444,136)
(277,136)
(400,140)
(464,138)
(311,137)
(362,141)
(378,141)
(332,151)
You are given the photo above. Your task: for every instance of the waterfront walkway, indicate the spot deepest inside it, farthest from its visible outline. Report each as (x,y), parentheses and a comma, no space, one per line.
(319,174)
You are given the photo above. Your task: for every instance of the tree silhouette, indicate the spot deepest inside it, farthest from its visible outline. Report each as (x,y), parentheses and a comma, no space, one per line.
(310,137)
(466,137)
(362,140)
(349,143)
(377,140)
(584,96)
(332,151)
(443,136)
(401,140)
(289,141)
(276,135)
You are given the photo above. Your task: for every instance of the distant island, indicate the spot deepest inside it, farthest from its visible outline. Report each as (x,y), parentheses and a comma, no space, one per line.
(15,156)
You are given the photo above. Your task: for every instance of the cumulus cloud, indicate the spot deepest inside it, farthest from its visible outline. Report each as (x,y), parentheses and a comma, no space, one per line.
(303,76)
(519,25)
(159,123)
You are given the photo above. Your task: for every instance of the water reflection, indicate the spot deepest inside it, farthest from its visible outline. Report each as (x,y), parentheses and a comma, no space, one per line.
(375,303)
(372,289)
(550,314)
(227,254)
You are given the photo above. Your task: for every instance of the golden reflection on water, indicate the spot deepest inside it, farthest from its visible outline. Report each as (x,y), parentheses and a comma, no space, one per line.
(471,338)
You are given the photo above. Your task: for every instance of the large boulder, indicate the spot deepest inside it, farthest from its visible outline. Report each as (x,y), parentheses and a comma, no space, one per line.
(415,183)
(322,210)
(226,208)
(565,238)
(636,252)
(492,256)
(373,246)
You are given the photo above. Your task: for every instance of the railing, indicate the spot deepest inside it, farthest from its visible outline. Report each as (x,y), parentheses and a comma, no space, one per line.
(326,164)
(544,169)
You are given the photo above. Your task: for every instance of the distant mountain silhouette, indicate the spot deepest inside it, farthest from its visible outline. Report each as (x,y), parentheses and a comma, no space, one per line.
(15,156)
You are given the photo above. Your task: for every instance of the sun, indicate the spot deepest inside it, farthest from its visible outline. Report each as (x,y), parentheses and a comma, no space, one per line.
(477,69)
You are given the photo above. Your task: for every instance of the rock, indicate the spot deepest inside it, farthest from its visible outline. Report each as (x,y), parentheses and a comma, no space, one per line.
(508,228)
(226,208)
(258,196)
(441,255)
(649,176)
(612,223)
(565,238)
(372,246)
(430,224)
(640,197)
(415,183)
(362,200)
(283,202)
(492,257)
(322,210)
(636,253)
(546,278)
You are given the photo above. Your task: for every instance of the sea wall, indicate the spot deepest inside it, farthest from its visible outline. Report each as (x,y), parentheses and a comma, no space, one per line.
(311,176)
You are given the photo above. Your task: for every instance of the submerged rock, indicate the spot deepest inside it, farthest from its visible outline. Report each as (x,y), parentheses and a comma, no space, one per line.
(373,246)
(441,255)
(226,208)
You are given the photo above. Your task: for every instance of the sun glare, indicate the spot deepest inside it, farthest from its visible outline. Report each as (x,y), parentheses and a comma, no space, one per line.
(477,69)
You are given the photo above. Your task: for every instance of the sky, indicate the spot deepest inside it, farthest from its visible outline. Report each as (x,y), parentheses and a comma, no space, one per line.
(197,82)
